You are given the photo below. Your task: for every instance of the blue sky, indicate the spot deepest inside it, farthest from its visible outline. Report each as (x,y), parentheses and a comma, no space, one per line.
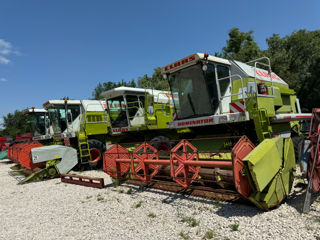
(52,49)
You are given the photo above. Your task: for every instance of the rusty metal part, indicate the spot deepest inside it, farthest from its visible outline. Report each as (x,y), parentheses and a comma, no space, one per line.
(199,191)
(83,180)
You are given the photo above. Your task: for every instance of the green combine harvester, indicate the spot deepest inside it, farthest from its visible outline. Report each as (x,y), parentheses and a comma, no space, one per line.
(243,132)
(81,130)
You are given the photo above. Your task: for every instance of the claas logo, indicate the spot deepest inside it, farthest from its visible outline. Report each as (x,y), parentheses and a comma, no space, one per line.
(179,63)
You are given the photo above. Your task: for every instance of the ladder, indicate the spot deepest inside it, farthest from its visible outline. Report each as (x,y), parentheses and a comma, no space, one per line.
(84,150)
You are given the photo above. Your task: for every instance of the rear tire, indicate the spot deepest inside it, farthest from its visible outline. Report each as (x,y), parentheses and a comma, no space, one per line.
(96,151)
(297,145)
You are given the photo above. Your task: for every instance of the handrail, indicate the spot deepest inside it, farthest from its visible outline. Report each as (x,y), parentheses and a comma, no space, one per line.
(268,65)
(234,94)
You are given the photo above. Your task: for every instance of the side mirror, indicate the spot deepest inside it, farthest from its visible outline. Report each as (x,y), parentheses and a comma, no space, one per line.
(69,117)
(47,123)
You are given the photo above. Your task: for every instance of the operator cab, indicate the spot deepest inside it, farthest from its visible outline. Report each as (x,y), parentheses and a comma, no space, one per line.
(64,116)
(37,121)
(193,82)
(126,106)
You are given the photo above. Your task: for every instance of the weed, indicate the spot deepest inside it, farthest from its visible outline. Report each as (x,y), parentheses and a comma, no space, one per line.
(151,215)
(209,234)
(88,197)
(309,228)
(316,219)
(184,235)
(234,226)
(129,191)
(139,204)
(191,221)
(121,191)
(216,203)
(99,197)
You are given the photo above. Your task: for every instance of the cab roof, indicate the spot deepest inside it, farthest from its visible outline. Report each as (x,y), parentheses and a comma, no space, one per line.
(244,69)
(51,103)
(32,110)
(159,96)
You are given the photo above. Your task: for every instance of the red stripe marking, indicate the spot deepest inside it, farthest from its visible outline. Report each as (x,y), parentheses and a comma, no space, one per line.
(237,107)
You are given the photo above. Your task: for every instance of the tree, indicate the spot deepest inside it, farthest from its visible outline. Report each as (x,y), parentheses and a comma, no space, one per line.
(240,46)
(108,86)
(156,81)
(14,123)
(296,58)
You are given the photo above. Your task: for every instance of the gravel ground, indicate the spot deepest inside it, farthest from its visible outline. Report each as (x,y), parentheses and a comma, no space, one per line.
(55,210)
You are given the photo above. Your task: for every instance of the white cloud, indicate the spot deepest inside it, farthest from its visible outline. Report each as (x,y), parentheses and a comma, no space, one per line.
(3,80)
(4,60)
(6,49)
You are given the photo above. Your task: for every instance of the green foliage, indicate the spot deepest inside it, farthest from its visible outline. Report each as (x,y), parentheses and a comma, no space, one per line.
(155,82)
(191,221)
(209,234)
(108,86)
(151,215)
(234,226)
(240,46)
(296,58)
(138,204)
(185,236)
(14,123)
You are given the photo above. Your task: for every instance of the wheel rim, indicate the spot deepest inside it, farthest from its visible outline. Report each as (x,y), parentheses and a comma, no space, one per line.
(95,155)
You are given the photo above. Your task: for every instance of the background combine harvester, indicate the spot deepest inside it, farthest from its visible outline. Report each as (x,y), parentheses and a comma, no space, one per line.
(82,129)
(4,145)
(244,129)
(38,131)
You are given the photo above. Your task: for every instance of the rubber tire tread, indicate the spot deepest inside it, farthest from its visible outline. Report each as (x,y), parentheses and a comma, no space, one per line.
(297,144)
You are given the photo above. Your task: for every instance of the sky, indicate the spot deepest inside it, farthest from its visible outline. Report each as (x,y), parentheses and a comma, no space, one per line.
(52,49)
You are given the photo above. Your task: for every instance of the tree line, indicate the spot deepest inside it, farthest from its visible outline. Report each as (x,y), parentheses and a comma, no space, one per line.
(295,58)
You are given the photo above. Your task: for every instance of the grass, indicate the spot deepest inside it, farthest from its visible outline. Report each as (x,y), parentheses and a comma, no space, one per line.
(129,191)
(316,219)
(121,191)
(151,215)
(234,226)
(216,203)
(191,221)
(184,235)
(99,197)
(209,234)
(139,204)
(88,197)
